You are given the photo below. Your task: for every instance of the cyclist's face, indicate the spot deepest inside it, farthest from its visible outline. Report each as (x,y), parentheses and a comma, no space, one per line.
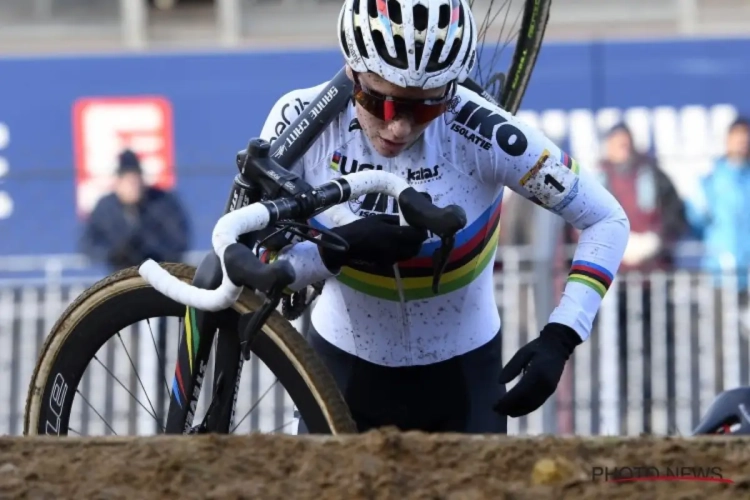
(389,138)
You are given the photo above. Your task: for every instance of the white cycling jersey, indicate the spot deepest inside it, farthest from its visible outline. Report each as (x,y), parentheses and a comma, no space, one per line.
(466,157)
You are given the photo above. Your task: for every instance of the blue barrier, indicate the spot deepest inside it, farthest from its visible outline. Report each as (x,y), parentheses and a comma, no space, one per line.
(219,100)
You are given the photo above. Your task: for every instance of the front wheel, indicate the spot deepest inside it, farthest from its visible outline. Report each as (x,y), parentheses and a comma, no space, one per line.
(519,24)
(124,299)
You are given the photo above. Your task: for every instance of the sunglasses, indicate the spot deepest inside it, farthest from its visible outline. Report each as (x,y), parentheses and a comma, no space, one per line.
(387,108)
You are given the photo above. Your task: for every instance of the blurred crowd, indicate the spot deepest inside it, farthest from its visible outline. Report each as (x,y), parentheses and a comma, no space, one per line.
(716,216)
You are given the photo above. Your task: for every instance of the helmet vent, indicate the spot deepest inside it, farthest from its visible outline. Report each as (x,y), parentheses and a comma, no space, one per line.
(421,17)
(444,16)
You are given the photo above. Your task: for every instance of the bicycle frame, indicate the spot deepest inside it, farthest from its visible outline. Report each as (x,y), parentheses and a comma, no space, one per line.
(198,332)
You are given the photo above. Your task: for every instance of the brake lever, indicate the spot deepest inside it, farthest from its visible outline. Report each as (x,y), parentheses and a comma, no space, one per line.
(251,323)
(440,258)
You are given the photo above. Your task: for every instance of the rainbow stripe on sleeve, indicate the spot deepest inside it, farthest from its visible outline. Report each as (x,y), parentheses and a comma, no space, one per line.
(592,275)
(569,162)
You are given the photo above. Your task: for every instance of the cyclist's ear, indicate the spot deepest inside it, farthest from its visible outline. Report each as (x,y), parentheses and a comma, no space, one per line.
(349,73)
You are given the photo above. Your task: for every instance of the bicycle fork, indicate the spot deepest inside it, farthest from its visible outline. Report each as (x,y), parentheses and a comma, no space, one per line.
(196,340)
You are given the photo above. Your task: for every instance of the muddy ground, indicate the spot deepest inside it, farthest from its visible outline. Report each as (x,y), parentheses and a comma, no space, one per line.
(377,465)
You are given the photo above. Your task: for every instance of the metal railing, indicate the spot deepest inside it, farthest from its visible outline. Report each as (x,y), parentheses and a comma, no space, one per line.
(664,344)
(73,24)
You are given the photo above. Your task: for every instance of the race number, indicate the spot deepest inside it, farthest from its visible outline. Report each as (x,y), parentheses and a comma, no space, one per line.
(551,182)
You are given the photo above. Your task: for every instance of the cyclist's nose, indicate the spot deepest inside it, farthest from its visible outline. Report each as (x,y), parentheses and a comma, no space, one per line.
(400,127)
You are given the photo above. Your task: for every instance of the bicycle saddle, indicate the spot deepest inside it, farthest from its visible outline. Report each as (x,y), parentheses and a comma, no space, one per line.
(729,413)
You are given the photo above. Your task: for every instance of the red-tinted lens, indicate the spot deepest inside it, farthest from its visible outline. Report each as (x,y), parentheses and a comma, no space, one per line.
(388,108)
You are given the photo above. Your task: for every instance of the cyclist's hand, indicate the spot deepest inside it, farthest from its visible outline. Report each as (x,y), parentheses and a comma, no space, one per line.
(377,240)
(542,361)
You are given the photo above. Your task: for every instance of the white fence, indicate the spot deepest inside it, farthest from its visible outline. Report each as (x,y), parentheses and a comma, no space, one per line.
(684,341)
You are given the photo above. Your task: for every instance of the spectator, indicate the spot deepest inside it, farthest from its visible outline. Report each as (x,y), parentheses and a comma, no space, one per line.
(135,222)
(719,211)
(657,221)
(656,211)
(720,216)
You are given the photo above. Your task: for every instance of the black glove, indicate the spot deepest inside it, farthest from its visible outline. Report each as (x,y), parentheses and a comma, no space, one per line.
(542,361)
(377,240)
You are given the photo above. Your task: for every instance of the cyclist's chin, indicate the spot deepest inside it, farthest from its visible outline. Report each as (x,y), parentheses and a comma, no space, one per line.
(387,148)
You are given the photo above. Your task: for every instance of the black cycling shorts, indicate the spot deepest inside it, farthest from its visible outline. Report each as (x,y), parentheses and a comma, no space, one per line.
(455,395)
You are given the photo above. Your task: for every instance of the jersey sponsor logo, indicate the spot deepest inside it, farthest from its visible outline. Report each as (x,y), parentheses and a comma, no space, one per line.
(344,165)
(471,136)
(367,204)
(421,175)
(289,112)
(104,126)
(482,125)
(453,104)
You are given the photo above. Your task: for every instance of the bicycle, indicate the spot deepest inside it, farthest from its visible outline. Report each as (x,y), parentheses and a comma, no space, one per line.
(267,205)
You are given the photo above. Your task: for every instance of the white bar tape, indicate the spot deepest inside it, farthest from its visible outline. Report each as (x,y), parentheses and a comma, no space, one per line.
(376,181)
(230,226)
(364,182)
(181,292)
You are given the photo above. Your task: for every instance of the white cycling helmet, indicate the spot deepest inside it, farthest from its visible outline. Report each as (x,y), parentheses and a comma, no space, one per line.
(410,43)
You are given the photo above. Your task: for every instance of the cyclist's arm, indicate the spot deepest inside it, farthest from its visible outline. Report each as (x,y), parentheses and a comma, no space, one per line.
(304,256)
(550,178)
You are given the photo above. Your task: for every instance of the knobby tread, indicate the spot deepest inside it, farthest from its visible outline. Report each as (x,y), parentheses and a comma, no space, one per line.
(277,328)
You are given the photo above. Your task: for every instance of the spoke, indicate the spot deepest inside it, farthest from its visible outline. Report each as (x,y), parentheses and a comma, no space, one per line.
(483,29)
(254,405)
(496,54)
(505,19)
(94,410)
(283,426)
(70,429)
(488,19)
(152,415)
(161,361)
(153,410)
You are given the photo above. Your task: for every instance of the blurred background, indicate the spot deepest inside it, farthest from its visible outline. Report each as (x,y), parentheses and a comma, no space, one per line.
(98,96)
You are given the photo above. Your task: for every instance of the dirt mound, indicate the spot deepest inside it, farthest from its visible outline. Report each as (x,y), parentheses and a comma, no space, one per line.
(377,465)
